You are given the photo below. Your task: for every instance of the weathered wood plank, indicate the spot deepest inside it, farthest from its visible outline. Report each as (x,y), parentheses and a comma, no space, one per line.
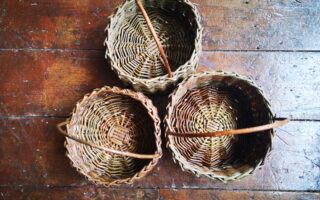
(51,82)
(59,24)
(228,25)
(77,193)
(94,193)
(290,80)
(260,25)
(32,154)
(166,194)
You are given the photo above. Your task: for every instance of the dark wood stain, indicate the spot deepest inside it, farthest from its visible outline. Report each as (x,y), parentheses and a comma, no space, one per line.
(228,25)
(52,54)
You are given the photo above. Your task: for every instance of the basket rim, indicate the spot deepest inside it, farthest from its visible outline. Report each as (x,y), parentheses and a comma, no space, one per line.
(191,63)
(152,112)
(198,171)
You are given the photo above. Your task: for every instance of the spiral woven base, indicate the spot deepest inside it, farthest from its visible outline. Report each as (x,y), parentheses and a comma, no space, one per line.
(118,119)
(133,53)
(215,101)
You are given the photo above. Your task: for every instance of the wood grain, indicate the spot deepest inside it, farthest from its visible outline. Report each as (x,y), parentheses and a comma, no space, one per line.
(166,194)
(77,193)
(57,25)
(260,25)
(93,193)
(51,82)
(290,80)
(52,54)
(228,25)
(32,153)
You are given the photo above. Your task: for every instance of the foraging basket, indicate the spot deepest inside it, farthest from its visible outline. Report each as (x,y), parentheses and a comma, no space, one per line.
(113,136)
(133,52)
(212,104)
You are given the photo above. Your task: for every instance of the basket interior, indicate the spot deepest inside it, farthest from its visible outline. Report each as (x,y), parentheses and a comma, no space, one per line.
(115,121)
(220,103)
(132,46)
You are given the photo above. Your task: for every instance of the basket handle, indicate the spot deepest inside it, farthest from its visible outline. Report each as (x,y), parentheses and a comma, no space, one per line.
(154,34)
(278,122)
(129,154)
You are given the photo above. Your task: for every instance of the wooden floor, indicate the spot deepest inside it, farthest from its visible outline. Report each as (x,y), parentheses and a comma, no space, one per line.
(51,54)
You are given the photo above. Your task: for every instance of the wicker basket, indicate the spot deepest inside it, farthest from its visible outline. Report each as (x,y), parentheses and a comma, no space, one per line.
(133,52)
(113,136)
(212,104)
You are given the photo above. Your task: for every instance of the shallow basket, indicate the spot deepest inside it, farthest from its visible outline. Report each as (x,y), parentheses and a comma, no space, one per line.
(133,52)
(113,136)
(211,102)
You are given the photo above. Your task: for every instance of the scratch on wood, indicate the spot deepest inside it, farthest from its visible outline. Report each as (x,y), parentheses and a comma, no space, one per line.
(311,160)
(274,177)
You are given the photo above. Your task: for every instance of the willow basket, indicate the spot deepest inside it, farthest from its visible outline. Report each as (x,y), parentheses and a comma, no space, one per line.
(133,53)
(217,101)
(113,136)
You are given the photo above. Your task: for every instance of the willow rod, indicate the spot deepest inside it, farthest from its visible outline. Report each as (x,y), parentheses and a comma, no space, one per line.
(276,124)
(155,36)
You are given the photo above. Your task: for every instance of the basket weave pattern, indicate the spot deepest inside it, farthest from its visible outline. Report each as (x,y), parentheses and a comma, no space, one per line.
(133,53)
(215,101)
(119,119)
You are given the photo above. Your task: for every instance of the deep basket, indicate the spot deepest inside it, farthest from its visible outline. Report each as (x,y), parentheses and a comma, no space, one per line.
(113,136)
(207,117)
(133,53)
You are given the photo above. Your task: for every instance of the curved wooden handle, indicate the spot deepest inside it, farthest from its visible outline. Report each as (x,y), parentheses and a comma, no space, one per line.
(129,154)
(277,123)
(154,34)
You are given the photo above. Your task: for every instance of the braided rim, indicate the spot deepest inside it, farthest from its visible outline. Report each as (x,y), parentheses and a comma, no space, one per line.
(198,171)
(153,113)
(160,83)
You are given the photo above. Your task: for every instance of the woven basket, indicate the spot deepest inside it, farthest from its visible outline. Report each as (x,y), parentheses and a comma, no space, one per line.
(206,122)
(113,136)
(133,52)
